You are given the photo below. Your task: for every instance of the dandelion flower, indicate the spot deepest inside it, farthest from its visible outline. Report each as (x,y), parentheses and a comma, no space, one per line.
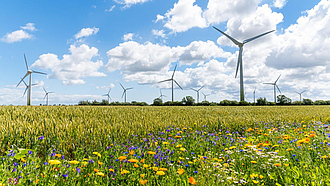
(74,162)
(161,173)
(124,171)
(100,174)
(97,154)
(54,162)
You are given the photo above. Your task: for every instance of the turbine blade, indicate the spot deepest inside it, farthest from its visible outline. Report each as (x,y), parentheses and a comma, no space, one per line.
(50,92)
(178,84)
(27,67)
(203,93)
(269,83)
(24,82)
(123,94)
(200,88)
(296,92)
(165,80)
(278,89)
(44,90)
(239,59)
(109,91)
(25,91)
(277,78)
(39,72)
(174,71)
(105,95)
(232,39)
(34,84)
(45,96)
(253,38)
(22,79)
(194,89)
(122,86)
(303,91)
(129,88)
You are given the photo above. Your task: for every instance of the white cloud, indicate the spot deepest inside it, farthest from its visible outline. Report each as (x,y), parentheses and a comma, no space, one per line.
(110,9)
(111,86)
(73,67)
(159,33)
(29,26)
(129,3)
(183,16)
(85,32)
(128,36)
(16,36)
(279,3)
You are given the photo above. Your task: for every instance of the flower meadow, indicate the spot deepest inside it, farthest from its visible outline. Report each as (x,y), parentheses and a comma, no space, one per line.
(274,152)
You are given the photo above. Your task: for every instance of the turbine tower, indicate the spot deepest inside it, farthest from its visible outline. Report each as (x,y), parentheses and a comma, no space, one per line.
(300,93)
(29,73)
(240,58)
(254,96)
(161,94)
(173,80)
(108,94)
(275,86)
(197,91)
(46,95)
(205,95)
(124,91)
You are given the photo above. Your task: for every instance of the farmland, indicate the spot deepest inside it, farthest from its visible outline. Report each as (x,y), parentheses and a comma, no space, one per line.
(165,145)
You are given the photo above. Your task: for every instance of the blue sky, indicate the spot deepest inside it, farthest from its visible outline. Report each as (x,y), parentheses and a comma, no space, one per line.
(88,47)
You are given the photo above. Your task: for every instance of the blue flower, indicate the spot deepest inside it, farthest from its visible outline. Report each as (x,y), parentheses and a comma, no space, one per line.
(41,138)
(91,161)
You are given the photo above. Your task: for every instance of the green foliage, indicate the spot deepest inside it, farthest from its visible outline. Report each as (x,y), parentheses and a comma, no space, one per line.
(188,101)
(307,102)
(158,102)
(283,100)
(262,101)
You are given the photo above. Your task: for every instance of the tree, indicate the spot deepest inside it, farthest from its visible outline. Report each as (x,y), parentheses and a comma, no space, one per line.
(283,100)
(158,102)
(307,102)
(188,100)
(262,101)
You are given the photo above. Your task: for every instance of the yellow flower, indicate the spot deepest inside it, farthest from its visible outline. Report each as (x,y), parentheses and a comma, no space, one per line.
(142,175)
(100,174)
(111,170)
(136,165)
(161,173)
(232,147)
(165,143)
(151,152)
(145,166)
(100,163)
(178,146)
(177,136)
(163,169)
(133,160)
(97,154)
(253,161)
(143,182)
(181,171)
(74,162)
(261,176)
(58,155)
(122,157)
(255,181)
(124,171)
(23,160)
(286,164)
(182,149)
(325,156)
(54,162)
(289,150)
(155,168)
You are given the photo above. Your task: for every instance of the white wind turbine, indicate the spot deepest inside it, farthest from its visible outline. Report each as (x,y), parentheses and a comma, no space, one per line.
(197,91)
(27,86)
(300,93)
(240,58)
(275,86)
(124,91)
(46,95)
(173,80)
(161,94)
(254,96)
(205,95)
(108,95)
(29,73)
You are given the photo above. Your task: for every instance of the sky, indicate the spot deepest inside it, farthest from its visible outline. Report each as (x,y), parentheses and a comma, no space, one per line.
(89,47)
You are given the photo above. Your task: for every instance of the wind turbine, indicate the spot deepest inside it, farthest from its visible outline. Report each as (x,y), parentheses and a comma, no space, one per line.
(300,93)
(46,95)
(124,92)
(27,86)
(240,59)
(197,91)
(108,94)
(161,94)
(275,86)
(205,95)
(29,73)
(254,96)
(173,80)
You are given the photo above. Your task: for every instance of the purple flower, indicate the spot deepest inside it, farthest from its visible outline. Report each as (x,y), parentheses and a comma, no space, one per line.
(41,138)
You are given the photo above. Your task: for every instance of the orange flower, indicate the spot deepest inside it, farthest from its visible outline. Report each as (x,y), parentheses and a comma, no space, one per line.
(277,164)
(151,152)
(58,155)
(161,173)
(143,182)
(163,169)
(249,130)
(306,140)
(136,165)
(142,161)
(132,152)
(95,170)
(286,137)
(192,181)
(122,157)
(177,136)
(133,160)
(181,171)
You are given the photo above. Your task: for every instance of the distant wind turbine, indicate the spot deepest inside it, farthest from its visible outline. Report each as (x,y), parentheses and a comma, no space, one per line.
(173,80)
(27,86)
(29,73)
(275,86)
(205,95)
(46,95)
(300,93)
(240,59)
(197,91)
(108,94)
(161,94)
(254,96)
(124,91)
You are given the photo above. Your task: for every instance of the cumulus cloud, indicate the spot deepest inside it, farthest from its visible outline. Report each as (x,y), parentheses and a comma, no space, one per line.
(159,33)
(72,67)
(85,32)
(183,16)
(279,3)
(29,26)
(128,36)
(129,3)
(16,36)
